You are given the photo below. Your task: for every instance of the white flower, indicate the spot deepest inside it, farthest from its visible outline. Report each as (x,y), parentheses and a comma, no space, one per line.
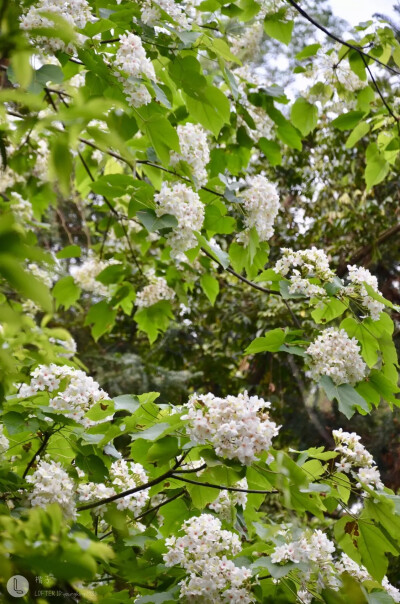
(51,484)
(226,500)
(85,275)
(303,265)
(4,442)
(151,14)
(155,291)
(41,274)
(358,276)
(346,564)
(202,552)
(194,150)
(75,12)
(183,203)
(21,208)
(123,477)
(329,69)
(132,61)
(261,203)
(336,355)
(237,426)
(354,455)
(78,394)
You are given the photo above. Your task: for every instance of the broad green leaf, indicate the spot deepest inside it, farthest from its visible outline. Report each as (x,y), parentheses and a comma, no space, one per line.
(304,116)
(347,397)
(210,287)
(359,131)
(348,120)
(211,108)
(66,292)
(279,29)
(101,317)
(271,342)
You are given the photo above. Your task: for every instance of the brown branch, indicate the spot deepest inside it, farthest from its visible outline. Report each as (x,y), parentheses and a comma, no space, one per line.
(137,489)
(43,445)
(304,14)
(222,487)
(367,249)
(240,277)
(379,90)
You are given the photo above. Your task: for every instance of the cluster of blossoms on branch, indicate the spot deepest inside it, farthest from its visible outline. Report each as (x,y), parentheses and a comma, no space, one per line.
(346,565)
(85,275)
(328,68)
(194,150)
(202,552)
(123,476)
(131,59)
(299,267)
(151,13)
(4,442)
(183,203)
(336,355)
(261,203)
(154,292)
(226,501)
(73,392)
(236,426)
(21,208)
(353,455)
(76,12)
(358,276)
(51,484)
(317,569)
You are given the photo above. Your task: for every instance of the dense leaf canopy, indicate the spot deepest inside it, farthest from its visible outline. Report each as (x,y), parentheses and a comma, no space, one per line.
(199,306)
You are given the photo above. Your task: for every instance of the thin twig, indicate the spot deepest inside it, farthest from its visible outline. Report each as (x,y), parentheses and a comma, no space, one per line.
(239,276)
(42,447)
(222,487)
(304,14)
(137,489)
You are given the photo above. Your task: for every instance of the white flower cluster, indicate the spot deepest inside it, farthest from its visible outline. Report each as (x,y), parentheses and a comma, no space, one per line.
(273,6)
(194,150)
(237,426)
(85,275)
(131,59)
(42,153)
(346,565)
(247,45)
(123,476)
(302,266)
(41,274)
(261,202)
(154,292)
(69,345)
(315,550)
(184,203)
(202,552)
(332,70)
(21,208)
(51,484)
(263,124)
(336,355)
(151,13)
(78,394)
(355,455)
(9,178)
(75,12)
(357,277)
(227,500)
(4,442)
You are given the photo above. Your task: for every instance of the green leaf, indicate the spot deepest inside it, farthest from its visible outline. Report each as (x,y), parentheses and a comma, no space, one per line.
(373,546)
(271,150)
(329,311)
(101,317)
(211,109)
(359,131)
(349,400)
(369,343)
(126,402)
(162,135)
(290,136)
(308,51)
(154,319)
(152,222)
(279,29)
(66,292)
(348,120)
(71,251)
(271,342)
(210,287)
(304,116)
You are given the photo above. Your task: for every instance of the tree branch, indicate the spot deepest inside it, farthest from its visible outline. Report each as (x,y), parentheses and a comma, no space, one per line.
(304,14)
(42,447)
(222,487)
(137,489)
(239,276)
